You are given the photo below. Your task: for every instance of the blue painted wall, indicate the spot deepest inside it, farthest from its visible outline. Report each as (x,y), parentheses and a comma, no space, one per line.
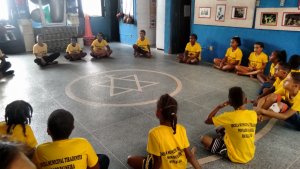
(107,23)
(100,24)
(128,32)
(219,37)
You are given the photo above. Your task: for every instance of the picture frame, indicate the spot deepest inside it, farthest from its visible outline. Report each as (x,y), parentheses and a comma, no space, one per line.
(239,12)
(291,19)
(269,18)
(204,12)
(220,12)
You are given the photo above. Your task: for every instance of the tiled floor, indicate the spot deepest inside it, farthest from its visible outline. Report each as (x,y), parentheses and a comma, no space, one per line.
(113,103)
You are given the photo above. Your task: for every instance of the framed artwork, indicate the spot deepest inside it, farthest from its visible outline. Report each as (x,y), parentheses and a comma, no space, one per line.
(231,13)
(269,18)
(291,19)
(204,12)
(220,12)
(239,12)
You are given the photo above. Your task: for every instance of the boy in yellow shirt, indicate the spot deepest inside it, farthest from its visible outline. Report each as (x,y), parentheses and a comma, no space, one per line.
(73,51)
(65,152)
(40,51)
(4,66)
(100,48)
(282,69)
(294,62)
(283,104)
(16,125)
(168,145)
(237,143)
(142,46)
(232,58)
(257,62)
(192,53)
(275,58)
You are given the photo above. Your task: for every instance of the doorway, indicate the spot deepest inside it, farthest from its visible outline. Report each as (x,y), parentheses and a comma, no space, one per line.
(181,25)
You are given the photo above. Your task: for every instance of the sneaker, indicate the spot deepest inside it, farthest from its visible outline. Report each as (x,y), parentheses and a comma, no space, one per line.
(223,152)
(67,57)
(38,61)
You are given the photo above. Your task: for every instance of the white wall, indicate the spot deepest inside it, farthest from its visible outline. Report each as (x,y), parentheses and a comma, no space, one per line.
(143,20)
(160,24)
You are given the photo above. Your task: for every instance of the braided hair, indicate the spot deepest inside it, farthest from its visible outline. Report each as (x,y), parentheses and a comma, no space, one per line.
(18,112)
(168,107)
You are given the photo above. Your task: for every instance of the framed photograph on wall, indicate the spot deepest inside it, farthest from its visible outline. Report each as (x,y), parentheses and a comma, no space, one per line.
(220,12)
(239,12)
(204,12)
(291,19)
(269,18)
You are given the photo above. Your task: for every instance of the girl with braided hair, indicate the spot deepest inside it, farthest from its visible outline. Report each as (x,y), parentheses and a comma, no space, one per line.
(168,145)
(16,125)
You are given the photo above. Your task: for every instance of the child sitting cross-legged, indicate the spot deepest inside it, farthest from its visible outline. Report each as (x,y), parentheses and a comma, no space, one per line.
(40,51)
(237,142)
(192,53)
(168,145)
(257,62)
(232,58)
(100,48)
(73,51)
(142,46)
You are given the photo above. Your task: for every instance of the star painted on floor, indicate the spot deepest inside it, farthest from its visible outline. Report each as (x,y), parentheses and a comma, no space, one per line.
(118,86)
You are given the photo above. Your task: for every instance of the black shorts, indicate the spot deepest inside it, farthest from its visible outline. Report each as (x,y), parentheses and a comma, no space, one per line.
(148,162)
(218,146)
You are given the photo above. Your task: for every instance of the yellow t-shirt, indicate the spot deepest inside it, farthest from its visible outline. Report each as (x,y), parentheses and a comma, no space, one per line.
(163,143)
(233,56)
(73,50)
(240,126)
(272,69)
(281,83)
(294,102)
(99,45)
(18,135)
(277,83)
(257,61)
(40,50)
(69,153)
(196,48)
(143,44)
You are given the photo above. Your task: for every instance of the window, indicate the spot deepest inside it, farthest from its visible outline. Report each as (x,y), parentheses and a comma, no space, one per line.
(4,10)
(127,6)
(92,7)
(51,13)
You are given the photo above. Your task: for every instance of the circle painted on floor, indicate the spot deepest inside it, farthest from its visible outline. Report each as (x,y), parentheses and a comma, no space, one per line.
(123,88)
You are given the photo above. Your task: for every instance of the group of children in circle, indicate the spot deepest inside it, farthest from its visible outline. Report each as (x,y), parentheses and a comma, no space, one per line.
(168,146)
(99,49)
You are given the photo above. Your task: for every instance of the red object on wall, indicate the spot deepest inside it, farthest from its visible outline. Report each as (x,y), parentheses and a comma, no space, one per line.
(88,35)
